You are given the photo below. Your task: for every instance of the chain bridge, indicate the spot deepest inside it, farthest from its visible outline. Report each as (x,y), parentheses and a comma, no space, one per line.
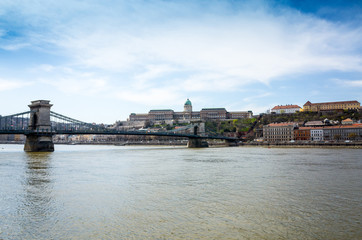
(39,124)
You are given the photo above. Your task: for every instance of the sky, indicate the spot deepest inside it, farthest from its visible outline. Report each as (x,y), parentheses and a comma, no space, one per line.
(98,61)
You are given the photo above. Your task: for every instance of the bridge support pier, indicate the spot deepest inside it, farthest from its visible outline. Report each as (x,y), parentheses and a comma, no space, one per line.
(42,139)
(231,143)
(197,143)
(39,143)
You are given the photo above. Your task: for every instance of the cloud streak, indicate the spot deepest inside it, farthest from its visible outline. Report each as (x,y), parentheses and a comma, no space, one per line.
(6,85)
(248,46)
(349,83)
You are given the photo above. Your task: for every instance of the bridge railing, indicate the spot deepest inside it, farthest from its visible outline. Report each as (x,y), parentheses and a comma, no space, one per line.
(19,121)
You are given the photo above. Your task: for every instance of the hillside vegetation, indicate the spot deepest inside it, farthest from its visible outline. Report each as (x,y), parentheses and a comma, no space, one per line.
(237,125)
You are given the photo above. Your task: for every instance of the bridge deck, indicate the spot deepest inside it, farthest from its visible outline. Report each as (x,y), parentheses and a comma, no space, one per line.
(109,132)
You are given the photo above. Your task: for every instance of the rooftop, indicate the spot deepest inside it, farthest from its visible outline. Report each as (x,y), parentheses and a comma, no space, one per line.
(213,109)
(161,110)
(356,125)
(281,124)
(341,102)
(285,107)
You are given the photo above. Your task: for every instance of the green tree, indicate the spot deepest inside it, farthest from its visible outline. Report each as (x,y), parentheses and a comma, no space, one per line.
(352,136)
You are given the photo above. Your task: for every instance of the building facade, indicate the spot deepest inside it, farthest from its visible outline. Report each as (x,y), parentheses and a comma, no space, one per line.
(213,113)
(343,132)
(161,115)
(188,115)
(279,132)
(330,106)
(240,114)
(285,109)
(316,134)
(282,132)
(302,134)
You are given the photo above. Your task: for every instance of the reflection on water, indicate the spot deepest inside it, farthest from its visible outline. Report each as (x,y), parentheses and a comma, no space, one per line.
(104,192)
(36,208)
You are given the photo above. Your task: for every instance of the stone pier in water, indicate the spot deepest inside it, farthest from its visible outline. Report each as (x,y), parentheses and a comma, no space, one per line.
(41,138)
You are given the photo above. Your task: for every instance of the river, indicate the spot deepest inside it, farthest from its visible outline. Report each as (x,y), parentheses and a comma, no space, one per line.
(126,192)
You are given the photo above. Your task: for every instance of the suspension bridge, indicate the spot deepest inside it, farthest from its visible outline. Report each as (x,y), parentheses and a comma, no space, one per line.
(39,124)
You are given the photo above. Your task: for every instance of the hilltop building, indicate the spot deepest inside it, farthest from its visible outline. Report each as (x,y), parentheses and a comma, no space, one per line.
(330,106)
(188,115)
(286,109)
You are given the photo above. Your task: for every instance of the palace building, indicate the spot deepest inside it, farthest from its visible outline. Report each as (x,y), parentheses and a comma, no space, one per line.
(188,115)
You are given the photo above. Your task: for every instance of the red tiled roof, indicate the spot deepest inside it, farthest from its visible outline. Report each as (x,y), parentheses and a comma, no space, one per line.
(356,125)
(285,107)
(281,124)
(305,128)
(347,120)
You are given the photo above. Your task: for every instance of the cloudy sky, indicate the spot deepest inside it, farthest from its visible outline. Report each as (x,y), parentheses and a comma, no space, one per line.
(98,61)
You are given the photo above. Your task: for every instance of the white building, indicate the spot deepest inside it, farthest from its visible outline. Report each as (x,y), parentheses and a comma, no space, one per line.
(285,109)
(316,134)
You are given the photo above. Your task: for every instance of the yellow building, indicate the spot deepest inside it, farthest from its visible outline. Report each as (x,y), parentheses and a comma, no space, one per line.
(327,106)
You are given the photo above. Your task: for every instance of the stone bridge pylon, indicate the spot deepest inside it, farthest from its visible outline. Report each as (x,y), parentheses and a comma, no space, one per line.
(41,138)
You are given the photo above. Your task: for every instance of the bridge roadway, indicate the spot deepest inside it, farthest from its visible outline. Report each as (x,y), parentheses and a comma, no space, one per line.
(111,132)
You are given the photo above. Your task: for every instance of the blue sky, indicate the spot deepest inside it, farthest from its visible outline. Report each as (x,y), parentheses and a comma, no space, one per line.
(98,61)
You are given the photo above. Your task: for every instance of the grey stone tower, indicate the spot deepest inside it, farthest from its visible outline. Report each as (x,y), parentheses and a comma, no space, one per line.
(40,137)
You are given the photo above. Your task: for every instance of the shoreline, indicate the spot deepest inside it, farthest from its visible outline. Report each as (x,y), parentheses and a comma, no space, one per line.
(355,145)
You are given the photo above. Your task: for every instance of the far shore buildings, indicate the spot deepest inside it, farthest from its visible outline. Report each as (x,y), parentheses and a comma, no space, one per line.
(187,115)
(282,132)
(330,106)
(289,108)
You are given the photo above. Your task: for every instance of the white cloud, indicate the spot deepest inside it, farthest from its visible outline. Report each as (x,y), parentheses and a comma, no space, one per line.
(256,47)
(162,97)
(349,83)
(71,81)
(6,85)
(258,96)
(14,47)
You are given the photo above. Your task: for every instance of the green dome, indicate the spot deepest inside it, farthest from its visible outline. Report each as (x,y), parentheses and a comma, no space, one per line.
(188,102)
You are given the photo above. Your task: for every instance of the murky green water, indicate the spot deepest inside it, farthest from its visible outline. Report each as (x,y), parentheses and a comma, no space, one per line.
(109,192)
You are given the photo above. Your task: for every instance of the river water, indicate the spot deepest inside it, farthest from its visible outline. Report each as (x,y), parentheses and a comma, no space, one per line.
(118,192)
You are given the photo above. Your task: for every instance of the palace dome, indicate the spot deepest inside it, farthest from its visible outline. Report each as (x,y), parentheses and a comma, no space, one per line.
(188,102)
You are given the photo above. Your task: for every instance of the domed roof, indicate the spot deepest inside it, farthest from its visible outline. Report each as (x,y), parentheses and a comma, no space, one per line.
(188,102)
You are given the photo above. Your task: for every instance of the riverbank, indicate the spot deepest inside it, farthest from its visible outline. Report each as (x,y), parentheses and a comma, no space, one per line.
(305,144)
(217,144)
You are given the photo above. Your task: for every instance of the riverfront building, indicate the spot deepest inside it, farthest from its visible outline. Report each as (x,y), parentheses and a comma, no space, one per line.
(302,134)
(316,134)
(279,132)
(343,132)
(330,106)
(188,115)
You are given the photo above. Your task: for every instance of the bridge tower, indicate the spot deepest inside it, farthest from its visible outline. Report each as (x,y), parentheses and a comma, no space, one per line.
(195,142)
(40,138)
